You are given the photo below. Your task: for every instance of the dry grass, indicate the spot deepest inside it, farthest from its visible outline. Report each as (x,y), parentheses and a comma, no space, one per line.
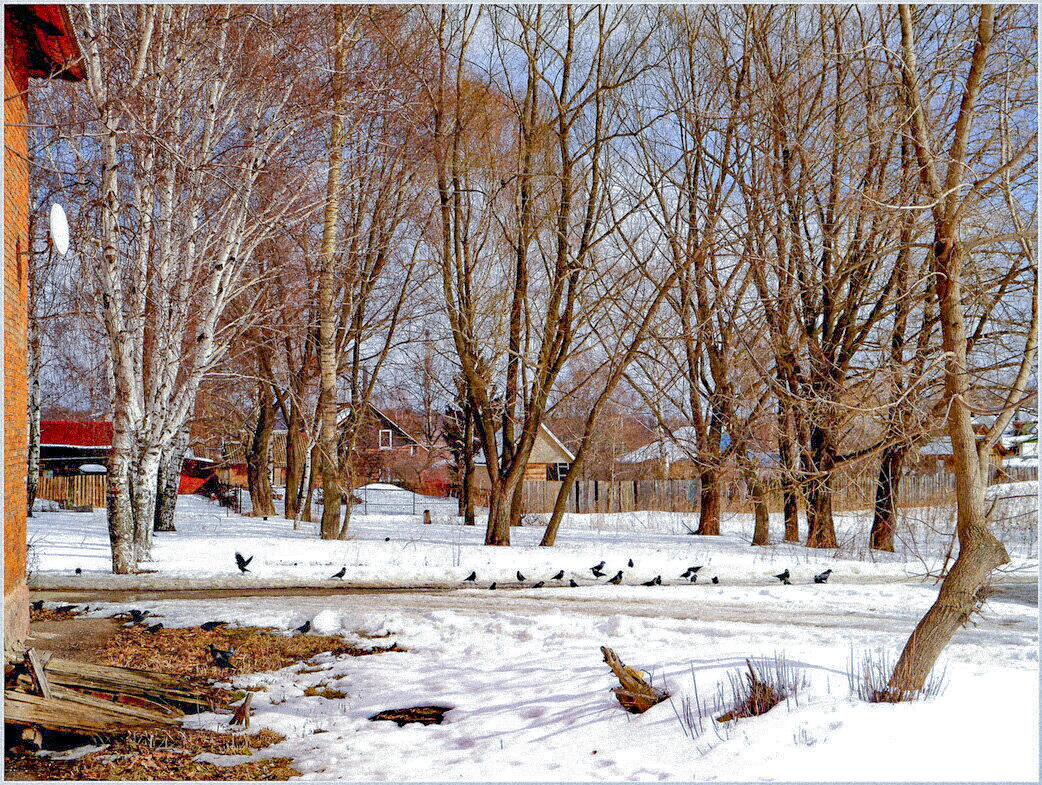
(184,651)
(324,691)
(46,614)
(166,754)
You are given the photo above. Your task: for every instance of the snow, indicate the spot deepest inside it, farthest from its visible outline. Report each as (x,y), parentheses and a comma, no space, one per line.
(522,668)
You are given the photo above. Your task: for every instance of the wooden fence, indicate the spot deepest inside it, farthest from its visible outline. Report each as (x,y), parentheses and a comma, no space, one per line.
(76,491)
(849,493)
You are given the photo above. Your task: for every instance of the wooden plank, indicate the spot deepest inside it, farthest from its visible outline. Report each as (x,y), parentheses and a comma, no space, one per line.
(129,681)
(84,714)
(36,670)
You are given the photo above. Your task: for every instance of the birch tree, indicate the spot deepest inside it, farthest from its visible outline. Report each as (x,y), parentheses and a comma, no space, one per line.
(188,109)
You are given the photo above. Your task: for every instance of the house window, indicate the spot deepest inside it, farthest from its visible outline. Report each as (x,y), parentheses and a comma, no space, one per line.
(555,472)
(385,439)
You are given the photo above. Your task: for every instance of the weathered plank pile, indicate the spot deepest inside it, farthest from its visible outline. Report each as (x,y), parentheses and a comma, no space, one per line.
(65,696)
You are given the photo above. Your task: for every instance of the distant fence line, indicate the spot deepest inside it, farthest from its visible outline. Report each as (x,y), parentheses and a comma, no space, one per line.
(76,491)
(593,496)
(672,495)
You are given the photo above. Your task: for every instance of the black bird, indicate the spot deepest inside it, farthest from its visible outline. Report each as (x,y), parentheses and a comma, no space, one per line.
(783,576)
(651,582)
(242,562)
(658,580)
(599,567)
(630,563)
(597,573)
(472,577)
(694,577)
(822,577)
(559,576)
(305,627)
(492,585)
(212,625)
(154,628)
(538,585)
(520,577)
(617,579)
(79,571)
(38,605)
(572,584)
(691,571)
(340,574)
(222,658)
(138,616)
(715,579)
(65,608)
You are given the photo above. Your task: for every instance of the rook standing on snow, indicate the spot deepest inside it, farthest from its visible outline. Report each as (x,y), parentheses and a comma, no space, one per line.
(472,577)
(559,576)
(340,574)
(617,579)
(241,562)
(783,576)
(520,577)
(305,627)
(822,577)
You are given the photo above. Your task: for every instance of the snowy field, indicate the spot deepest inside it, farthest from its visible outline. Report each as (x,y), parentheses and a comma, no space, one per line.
(522,669)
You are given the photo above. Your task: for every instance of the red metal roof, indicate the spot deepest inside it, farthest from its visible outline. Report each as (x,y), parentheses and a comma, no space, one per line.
(45,35)
(73,433)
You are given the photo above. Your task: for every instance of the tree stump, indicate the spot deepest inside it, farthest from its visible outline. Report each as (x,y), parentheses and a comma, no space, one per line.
(634,693)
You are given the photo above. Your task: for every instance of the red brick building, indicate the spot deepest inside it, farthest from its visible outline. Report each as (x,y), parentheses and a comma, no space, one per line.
(38,42)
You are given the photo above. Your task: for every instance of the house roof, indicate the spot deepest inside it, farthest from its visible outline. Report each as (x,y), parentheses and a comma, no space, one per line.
(345,410)
(74,433)
(479,459)
(44,34)
(682,445)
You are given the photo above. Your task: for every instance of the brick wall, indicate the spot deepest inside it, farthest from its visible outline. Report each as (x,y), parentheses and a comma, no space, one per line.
(16,237)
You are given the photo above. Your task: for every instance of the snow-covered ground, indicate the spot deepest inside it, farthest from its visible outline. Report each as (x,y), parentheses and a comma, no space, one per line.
(522,669)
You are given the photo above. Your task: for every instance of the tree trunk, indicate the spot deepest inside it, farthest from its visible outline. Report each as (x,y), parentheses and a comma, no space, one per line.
(466,504)
(313,468)
(258,458)
(790,507)
(821,532)
(33,464)
(120,514)
(328,364)
(294,463)
(762,519)
(498,530)
(979,551)
(709,502)
(169,482)
(143,483)
(884,520)
(790,510)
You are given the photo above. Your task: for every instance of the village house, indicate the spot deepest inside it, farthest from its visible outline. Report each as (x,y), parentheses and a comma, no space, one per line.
(383,451)
(39,41)
(549,460)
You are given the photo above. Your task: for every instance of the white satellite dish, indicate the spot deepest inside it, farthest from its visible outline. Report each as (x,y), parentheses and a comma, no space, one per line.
(59,229)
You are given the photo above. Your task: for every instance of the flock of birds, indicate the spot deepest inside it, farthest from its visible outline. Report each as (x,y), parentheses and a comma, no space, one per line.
(222,658)
(690,575)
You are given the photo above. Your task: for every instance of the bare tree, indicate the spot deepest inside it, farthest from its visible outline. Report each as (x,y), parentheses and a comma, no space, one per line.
(953,190)
(179,135)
